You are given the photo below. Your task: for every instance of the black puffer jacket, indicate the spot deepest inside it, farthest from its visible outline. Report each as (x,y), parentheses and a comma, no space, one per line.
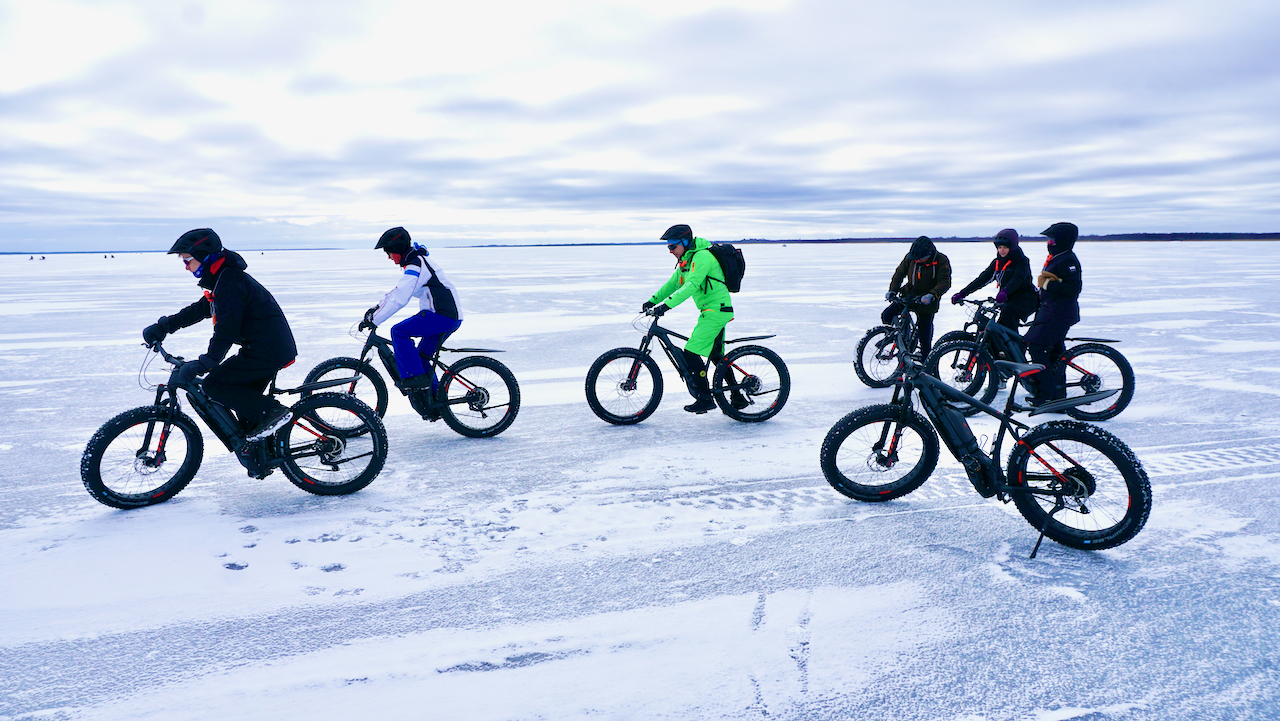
(244,313)
(1012,274)
(1059,299)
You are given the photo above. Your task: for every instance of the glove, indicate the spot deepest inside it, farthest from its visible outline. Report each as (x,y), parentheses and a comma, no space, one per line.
(189,371)
(645,306)
(367,322)
(156,332)
(658,310)
(1002,296)
(1043,279)
(955,299)
(926,299)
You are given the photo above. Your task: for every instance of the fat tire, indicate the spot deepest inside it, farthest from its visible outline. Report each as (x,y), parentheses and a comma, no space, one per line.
(1116,512)
(868,344)
(641,411)
(449,412)
(348,422)
(1120,401)
(91,463)
(370,375)
(866,417)
(985,383)
(738,360)
(954,335)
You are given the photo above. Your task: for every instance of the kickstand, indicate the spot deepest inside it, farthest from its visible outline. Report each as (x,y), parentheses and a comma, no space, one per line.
(1056,507)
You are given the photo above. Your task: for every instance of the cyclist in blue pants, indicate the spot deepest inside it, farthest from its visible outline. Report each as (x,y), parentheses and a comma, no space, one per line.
(438,317)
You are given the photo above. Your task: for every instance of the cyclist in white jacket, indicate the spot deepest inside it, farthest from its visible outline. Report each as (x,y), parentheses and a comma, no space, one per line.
(438,317)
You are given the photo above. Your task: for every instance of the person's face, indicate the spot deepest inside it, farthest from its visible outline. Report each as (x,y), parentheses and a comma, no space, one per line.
(188,262)
(393,257)
(1003,250)
(677,250)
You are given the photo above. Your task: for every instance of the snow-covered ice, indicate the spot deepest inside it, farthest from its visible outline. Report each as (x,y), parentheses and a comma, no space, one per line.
(689,567)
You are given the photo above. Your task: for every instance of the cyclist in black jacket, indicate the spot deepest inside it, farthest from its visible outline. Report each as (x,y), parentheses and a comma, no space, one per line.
(1011,270)
(1060,283)
(245,314)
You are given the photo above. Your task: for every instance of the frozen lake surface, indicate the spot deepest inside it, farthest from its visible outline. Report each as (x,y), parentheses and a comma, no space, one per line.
(690,567)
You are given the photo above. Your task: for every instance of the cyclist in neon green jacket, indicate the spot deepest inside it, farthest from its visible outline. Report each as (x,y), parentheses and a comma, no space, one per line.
(697,275)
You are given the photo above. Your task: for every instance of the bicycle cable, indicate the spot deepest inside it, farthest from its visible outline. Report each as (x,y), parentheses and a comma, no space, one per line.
(147,360)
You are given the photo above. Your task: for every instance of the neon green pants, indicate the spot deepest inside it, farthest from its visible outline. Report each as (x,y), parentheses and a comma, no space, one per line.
(703,337)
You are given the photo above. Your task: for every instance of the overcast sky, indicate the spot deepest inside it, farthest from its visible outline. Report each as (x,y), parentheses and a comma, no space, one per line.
(323,123)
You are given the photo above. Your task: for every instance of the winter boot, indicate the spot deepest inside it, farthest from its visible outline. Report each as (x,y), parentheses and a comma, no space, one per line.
(702,404)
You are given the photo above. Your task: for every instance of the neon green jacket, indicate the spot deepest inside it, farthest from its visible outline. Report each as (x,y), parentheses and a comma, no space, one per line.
(697,274)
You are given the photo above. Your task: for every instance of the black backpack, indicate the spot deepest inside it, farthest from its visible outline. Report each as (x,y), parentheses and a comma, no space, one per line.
(731,264)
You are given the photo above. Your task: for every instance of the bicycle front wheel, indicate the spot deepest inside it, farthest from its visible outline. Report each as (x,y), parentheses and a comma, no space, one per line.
(1094,367)
(624,386)
(366,383)
(879,453)
(966,366)
(751,384)
(480,397)
(1083,486)
(876,361)
(141,457)
(335,444)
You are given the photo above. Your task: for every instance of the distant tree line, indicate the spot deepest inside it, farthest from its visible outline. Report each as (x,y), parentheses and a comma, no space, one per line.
(1114,236)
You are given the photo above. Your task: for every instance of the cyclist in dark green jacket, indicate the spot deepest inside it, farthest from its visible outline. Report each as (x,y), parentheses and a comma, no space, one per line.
(697,275)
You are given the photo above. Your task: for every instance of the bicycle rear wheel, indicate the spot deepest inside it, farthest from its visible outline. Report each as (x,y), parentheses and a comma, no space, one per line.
(141,457)
(624,386)
(879,453)
(751,384)
(876,361)
(367,384)
(1094,367)
(479,397)
(335,444)
(1083,486)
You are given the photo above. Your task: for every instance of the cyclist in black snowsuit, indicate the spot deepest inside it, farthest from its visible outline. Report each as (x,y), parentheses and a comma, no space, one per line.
(1060,283)
(1011,270)
(244,313)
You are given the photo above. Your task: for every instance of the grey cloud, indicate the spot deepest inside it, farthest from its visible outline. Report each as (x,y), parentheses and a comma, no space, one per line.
(1145,136)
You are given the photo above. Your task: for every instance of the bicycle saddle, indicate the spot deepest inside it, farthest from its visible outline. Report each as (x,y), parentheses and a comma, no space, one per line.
(1020,369)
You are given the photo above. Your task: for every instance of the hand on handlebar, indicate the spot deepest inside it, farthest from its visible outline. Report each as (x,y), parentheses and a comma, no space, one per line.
(1002,296)
(645,306)
(957,299)
(189,371)
(367,321)
(658,310)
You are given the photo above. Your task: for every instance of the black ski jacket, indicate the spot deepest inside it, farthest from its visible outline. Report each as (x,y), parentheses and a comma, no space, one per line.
(1012,274)
(244,313)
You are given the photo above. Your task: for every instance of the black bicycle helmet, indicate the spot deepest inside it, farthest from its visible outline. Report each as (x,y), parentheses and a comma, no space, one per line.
(678,235)
(199,244)
(396,240)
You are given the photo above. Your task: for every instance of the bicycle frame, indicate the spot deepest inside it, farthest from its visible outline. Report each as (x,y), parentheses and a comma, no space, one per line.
(676,355)
(386,352)
(216,416)
(984,471)
(1006,340)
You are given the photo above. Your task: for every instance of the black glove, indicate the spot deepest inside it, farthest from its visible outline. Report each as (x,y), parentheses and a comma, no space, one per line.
(645,306)
(368,319)
(189,371)
(658,310)
(891,295)
(156,332)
